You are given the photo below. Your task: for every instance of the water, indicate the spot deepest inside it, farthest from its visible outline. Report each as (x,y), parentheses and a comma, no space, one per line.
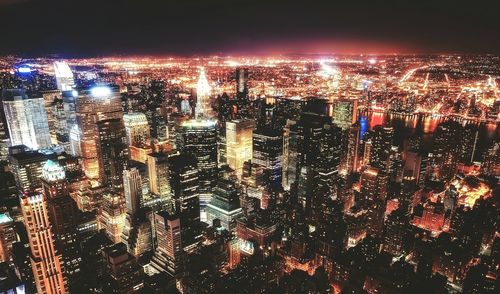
(406,126)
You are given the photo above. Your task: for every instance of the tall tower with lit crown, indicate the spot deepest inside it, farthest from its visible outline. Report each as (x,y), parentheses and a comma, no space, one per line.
(203,108)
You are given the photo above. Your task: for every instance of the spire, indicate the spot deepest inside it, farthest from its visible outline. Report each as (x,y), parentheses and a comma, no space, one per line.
(203,107)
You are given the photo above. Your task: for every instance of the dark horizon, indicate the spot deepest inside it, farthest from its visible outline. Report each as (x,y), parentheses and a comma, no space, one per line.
(108,28)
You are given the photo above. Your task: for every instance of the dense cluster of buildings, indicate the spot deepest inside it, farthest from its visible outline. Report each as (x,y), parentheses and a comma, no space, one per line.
(202,177)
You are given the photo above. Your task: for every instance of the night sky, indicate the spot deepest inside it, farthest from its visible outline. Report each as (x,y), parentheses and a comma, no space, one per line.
(74,28)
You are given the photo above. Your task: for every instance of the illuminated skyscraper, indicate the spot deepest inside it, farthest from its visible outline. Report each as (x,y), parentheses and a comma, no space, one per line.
(136,232)
(7,237)
(27,119)
(241,83)
(111,216)
(373,186)
(112,151)
(27,168)
(225,205)
(64,76)
(268,153)
(345,113)
(169,256)
(158,173)
(381,142)
(137,128)
(446,150)
(45,260)
(132,185)
(198,138)
(93,106)
(184,188)
(203,106)
(239,143)
(62,213)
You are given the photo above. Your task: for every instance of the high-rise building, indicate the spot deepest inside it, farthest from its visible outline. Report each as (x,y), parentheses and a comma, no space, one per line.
(64,76)
(45,260)
(184,188)
(169,255)
(396,232)
(27,168)
(158,173)
(225,205)
(7,237)
(123,273)
(446,150)
(137,128)
(203,106)
(373,186)
(241,83)
(27,119)
(198,138)
(113,152)
(268,153)
(345,113)
(95,105)
(111,216)
(62,212)
(132,186)
(239,143)
(381,142)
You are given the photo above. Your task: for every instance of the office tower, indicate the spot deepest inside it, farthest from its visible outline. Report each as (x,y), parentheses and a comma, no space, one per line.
(225,204)
(350,160)
(60,124)
(396,233)
(45,260)
(158,126)
(373,186)
(27,119)
(111,216)
(136,233)
(27,168)
(132,185)
(446,150)
(137,129)
(239,143)
(268,153)
(203,106)
(198,138)
(93,106)
(64,76)
(184,188)
(4,136)
(123,273)
(314,159)
(345,113)
(169,256)
(395,165)
(381,142)
(241,83)
(289,155)
(62,214)
(49,97)
(158,173)
(7,237)
(468,144)
(113,152)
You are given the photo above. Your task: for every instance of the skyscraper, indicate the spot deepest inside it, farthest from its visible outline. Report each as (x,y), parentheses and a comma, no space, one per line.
(7,237)
(345,113)
(137,129)
(169,256)
(93,106)
(241,82)
(26,118)
(198,138)
(64,76)
(268,153)
(132,185)
(27,168)
(158,173)
(225,205)
(62,214)
(111,216)
(239,143)
(112,151)
(124,274)
(45,260)
(203,106)
(381,142)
